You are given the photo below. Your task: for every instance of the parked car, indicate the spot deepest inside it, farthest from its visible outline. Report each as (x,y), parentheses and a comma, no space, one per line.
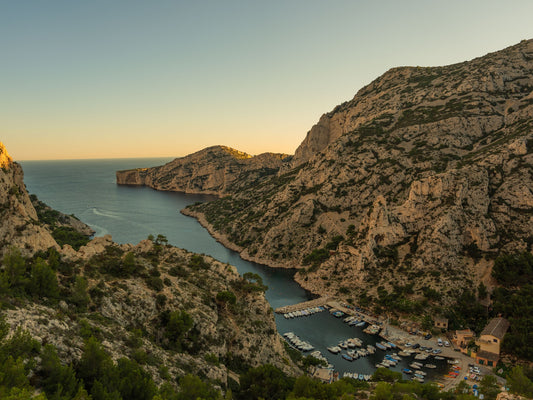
(416,346)
(408,344)
(446,343)
(428,336)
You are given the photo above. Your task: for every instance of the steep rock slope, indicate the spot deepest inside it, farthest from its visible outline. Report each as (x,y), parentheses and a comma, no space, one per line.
(20,226)
(417,182)
(214,170)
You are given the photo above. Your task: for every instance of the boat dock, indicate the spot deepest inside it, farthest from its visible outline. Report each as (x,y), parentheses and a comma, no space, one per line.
(321,301)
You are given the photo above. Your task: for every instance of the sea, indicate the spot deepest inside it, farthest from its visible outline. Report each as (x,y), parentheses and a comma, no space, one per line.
(88,189)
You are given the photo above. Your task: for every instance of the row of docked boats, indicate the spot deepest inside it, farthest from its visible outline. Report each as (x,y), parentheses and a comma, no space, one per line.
(372,329)
(353,321)
(303,313)
(351,343)
(355,375)
(353,354)
(383,345)
(390,360)
(336,313)
(296,342)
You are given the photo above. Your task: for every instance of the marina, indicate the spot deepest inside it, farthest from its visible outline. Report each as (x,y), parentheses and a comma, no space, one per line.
(348,350)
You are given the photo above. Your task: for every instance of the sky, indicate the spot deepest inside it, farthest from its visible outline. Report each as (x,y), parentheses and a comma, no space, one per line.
(130,78)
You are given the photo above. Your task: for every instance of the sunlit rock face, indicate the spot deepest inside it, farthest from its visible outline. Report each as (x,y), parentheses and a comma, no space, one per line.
(5,158)
(19,224)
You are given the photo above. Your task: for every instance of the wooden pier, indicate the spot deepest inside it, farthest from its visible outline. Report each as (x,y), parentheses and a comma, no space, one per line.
(321,301)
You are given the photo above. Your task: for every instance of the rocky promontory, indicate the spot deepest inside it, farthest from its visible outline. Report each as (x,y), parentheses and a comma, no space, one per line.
(215,170)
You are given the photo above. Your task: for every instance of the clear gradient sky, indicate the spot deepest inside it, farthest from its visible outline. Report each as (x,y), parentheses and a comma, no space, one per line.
(129,78)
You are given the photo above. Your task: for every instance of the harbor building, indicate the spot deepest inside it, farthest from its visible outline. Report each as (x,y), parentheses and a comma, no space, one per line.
(490,340)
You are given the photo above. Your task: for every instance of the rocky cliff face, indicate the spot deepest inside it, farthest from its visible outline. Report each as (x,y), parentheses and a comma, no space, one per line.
(215,170)
(419,181)
(20,226)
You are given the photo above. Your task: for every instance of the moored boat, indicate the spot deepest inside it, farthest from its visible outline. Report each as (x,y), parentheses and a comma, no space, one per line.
(334,349)
(380,346)
(347,357)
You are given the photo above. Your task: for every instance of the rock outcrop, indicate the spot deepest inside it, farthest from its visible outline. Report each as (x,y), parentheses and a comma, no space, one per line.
(20,225)
(215,170)
(419,181)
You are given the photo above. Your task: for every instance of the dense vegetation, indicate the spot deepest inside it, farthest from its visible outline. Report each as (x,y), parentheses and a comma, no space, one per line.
(514,300)
(59,225)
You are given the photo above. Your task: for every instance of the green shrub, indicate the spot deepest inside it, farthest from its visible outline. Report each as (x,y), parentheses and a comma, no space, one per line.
(197,262)
(43,281)
(154,283)
(226,296)
(66,235)
(316,257)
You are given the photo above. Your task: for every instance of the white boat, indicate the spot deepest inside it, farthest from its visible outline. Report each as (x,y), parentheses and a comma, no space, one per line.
(354,342)
(334,349)
(431,366)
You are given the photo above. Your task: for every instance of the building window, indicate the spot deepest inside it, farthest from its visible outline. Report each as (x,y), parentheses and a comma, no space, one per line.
(495,340)
(481,362)
(489,363)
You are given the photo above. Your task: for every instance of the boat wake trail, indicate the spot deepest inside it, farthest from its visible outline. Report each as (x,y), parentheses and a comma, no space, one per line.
(98,230)
(107,214)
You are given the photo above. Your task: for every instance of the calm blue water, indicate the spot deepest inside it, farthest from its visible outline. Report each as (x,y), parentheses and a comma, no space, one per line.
(87,189)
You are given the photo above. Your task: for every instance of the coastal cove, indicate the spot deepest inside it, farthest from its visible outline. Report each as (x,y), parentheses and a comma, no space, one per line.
(87,189)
